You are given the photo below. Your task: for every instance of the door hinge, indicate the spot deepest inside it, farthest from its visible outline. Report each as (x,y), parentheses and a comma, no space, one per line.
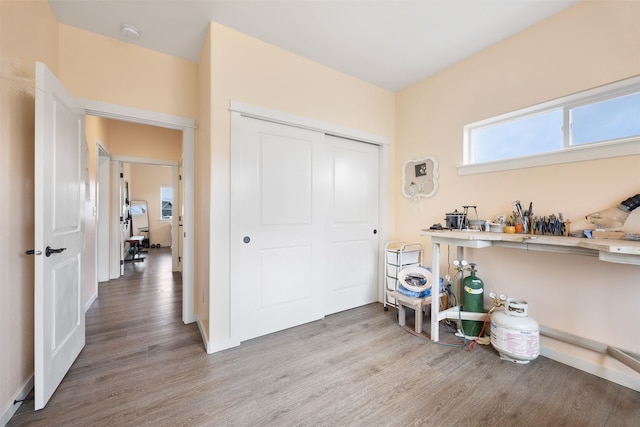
(121,175)
(179,259)
(121,262)
(179,177)
(121,219)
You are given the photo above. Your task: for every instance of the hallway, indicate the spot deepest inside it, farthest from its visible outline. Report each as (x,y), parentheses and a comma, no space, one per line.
(134,331)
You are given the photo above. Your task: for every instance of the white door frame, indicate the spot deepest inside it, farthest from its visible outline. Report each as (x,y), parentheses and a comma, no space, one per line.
(187,126)
(115,230)
(103,174)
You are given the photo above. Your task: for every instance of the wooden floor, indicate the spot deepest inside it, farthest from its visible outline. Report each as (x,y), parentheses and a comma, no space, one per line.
(143,367)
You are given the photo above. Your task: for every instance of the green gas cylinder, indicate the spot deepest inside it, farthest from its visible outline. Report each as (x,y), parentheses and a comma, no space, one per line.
(472,300)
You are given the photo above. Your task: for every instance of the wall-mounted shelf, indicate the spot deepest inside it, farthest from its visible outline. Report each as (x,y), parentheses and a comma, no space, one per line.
(618,251)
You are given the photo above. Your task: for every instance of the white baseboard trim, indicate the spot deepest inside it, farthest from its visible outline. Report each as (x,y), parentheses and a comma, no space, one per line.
(218,346)
(221,345)
(189,318)
(598,364)
(10,408)
(91,300)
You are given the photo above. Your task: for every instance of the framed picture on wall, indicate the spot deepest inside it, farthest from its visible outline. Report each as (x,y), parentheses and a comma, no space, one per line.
(421,169)
(420,177)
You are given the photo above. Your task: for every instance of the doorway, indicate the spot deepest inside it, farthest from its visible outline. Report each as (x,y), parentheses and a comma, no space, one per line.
(151,185)
(186,233)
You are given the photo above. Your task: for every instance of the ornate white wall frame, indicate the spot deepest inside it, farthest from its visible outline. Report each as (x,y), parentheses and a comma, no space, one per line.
(420,177)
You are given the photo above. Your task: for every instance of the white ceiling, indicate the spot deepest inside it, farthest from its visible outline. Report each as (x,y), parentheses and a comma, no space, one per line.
(390,43)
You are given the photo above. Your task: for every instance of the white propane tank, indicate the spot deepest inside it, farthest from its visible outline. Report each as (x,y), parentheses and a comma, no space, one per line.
(515,335)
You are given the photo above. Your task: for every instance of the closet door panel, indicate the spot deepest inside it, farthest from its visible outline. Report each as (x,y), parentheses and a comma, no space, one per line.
(277,270)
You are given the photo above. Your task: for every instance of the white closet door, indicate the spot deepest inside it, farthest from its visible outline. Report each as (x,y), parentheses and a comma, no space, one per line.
(279,203)
(352,260)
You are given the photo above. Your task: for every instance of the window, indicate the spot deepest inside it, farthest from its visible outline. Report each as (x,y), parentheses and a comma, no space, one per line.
(166,201)
(531,134)
(601,122)
(606,120)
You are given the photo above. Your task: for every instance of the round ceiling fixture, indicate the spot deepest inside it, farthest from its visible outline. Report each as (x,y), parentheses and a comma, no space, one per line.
(129,32)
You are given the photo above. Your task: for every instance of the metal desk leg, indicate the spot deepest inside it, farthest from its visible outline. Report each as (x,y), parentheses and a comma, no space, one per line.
(435,289)
(435,292)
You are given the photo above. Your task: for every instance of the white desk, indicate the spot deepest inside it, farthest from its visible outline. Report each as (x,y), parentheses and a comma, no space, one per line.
(618,251)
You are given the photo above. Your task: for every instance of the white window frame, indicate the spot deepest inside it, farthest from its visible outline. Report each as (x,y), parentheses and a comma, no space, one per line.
(568,153)
(162,218)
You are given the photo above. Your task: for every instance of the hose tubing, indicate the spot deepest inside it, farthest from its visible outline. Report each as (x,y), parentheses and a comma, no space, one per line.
(406,275)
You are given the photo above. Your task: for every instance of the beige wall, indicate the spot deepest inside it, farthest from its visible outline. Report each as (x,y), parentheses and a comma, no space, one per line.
(99,68)
(142,141)
(97,131)
(247,70)
(28,33)
(144,184)
(589,44)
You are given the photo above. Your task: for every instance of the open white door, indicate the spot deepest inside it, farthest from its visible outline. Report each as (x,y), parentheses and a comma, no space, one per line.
(60,152)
